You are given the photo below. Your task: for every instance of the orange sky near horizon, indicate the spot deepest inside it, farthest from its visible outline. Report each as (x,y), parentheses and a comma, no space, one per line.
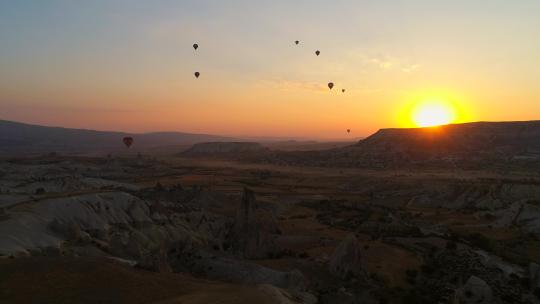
(109,66)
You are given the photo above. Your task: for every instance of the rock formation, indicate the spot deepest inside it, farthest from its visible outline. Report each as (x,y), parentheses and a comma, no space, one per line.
(534,275)
(255,230)
(346,259)
(475,291)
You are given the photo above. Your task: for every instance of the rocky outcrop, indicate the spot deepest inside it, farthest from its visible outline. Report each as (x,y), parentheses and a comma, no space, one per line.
(114,222)
(489,278)
(521,214)
(255,231)
(534,275)
(457,145)
(157,261)
(214,266)
(529,218)
(346,260)
(475,291)
(456,140)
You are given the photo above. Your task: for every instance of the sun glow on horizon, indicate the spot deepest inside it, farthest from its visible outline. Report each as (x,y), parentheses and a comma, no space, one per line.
(433,113)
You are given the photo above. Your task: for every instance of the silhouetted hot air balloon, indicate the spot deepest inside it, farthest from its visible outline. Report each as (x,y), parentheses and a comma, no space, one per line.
(128,141)
(197,74)
(317,52)
(297,42)
(342,90)
(348,130)
(330,85)
(195,46)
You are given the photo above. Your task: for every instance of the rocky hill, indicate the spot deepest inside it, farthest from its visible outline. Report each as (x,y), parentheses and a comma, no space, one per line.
(478,137)
(18,137)
(469,144)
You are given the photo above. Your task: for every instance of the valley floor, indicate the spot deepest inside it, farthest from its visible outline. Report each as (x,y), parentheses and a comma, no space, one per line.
(182,230)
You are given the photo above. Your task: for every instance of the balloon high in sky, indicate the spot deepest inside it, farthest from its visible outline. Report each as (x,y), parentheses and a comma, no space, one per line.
(113,65)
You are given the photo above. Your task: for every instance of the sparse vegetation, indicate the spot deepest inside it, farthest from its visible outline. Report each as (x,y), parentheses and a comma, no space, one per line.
(291,224)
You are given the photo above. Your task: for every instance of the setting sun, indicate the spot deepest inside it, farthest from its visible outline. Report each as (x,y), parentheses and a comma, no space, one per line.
(431,114)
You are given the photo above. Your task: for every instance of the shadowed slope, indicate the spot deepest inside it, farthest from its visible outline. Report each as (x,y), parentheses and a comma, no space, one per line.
(84,280)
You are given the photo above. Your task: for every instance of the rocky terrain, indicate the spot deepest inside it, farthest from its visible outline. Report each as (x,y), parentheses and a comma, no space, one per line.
(459,139)
(496,145)
(473,143)
(207,229)
(225,149)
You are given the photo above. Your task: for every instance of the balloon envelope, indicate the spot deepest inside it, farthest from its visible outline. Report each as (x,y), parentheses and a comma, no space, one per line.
(317,53)
(195,46)
(343,90)
(297,42)
(330,85)
(128,141)
(197,74)
(348,130)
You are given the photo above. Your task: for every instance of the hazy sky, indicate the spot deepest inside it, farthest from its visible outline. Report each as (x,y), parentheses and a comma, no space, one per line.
(128,65)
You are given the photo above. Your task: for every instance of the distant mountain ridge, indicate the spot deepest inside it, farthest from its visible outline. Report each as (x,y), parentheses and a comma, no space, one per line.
(476,141)
(459,138)
(455,144)
(16,137)
(468,145)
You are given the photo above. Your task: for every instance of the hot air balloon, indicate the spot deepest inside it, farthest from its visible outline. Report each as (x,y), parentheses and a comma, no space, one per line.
(195,46)
(348,130)
(317,52)
(128,141)
(297,42)
(197,74)
(342,90)
(330,85)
